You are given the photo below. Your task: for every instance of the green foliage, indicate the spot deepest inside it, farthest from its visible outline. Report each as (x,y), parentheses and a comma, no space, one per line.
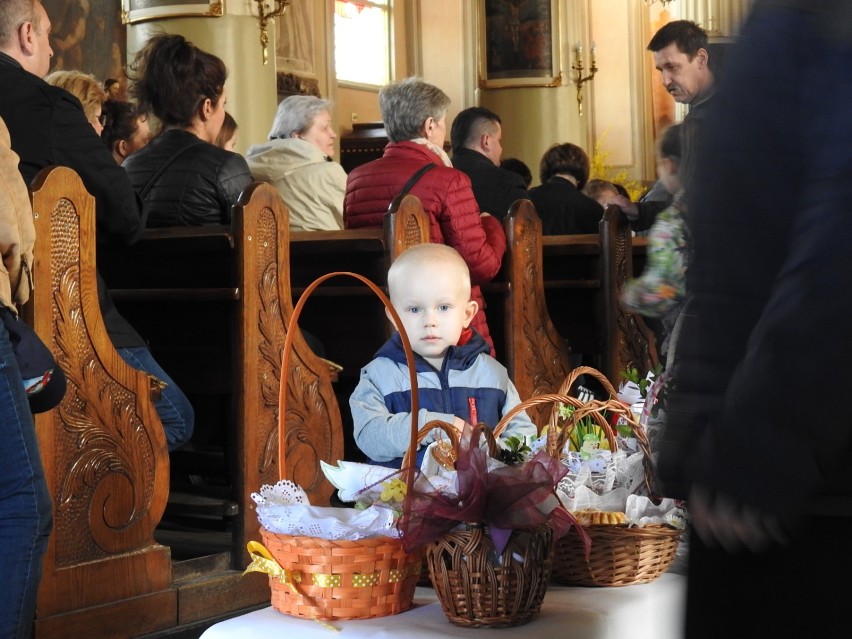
(586,433)
(631,374)
(515,451)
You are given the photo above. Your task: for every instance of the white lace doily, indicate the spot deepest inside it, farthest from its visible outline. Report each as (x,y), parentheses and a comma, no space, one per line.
(284,508)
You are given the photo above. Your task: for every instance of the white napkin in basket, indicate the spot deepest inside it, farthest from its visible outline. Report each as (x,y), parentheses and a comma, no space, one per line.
(284,508)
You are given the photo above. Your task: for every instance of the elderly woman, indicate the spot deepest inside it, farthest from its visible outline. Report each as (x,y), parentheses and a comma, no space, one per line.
(559,201)
(414,114)
(183,178)
(297,160)
(85,88)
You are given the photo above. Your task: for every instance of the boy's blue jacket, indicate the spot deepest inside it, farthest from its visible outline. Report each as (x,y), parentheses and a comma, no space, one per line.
(471,385)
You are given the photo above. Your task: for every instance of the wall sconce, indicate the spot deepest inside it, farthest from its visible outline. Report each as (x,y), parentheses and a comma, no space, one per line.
(662,2)
(265,16)
(577,68)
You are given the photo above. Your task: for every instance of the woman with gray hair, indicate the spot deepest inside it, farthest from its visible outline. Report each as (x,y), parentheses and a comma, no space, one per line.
(414,113)
(297,159)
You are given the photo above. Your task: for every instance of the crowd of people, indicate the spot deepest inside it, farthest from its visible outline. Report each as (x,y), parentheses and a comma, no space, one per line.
(164,156)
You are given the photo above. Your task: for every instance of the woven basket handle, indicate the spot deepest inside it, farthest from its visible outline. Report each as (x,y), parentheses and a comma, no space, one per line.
(409,359)
(454,437)
(556,437)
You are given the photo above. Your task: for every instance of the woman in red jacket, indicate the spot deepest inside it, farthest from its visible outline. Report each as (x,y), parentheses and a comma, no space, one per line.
(414,114)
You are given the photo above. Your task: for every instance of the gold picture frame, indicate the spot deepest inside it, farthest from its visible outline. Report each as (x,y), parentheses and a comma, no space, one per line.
(133,11)
(519,44)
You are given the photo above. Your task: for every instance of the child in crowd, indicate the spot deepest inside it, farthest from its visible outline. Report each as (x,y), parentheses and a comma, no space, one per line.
(227,138)
(601,191)
(125,129)
(660,290)
(458,381)
(518,166)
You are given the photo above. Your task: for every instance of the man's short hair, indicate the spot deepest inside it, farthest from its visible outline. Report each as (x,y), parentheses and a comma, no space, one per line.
(470,125)
(687,35)
(13,13)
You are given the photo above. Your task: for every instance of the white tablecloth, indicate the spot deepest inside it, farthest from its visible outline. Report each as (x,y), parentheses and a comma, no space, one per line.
(648,611)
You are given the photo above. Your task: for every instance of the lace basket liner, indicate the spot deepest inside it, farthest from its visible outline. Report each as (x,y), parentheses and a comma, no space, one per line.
(327,579)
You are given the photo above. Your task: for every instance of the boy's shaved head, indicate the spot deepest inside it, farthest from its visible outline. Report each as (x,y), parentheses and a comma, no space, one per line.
(420,256)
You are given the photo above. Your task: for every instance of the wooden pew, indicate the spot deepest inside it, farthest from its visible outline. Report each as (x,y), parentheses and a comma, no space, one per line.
(559,298)
(104,449)
(364,251)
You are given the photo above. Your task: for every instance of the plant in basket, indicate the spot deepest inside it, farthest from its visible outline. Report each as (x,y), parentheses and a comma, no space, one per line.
(634,536)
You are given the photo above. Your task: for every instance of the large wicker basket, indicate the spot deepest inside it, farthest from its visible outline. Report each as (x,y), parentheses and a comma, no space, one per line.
(326,580)
(619,555)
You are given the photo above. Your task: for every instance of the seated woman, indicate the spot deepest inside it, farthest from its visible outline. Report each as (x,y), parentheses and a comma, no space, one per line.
(562,207)
(86,89)
(125,130)
(297,159)
(414,114)
(182,177)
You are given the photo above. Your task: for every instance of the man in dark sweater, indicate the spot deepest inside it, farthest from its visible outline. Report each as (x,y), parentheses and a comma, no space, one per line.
(681,56)
(477,136)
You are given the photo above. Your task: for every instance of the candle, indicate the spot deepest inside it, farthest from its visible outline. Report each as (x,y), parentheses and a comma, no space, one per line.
(578,49)
(593,50)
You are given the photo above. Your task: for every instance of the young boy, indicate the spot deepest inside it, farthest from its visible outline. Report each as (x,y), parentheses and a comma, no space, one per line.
(458,381)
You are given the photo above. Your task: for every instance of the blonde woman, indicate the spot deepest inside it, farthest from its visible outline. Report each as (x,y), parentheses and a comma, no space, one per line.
(87,90)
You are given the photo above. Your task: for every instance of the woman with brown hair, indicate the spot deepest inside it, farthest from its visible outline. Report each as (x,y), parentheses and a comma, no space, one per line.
(559,201)
(183,178)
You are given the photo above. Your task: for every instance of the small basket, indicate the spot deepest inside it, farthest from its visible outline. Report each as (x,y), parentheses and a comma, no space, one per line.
(619,555)
(323,579)
(475,587)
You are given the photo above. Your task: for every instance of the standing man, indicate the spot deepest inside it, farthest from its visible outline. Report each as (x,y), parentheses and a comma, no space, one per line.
(477,138)
(757,435)
(681,56)
(47,126)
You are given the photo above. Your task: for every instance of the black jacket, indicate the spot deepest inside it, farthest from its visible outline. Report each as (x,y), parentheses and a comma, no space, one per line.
(199,185)
(494,188)
(563,209)
(47,127)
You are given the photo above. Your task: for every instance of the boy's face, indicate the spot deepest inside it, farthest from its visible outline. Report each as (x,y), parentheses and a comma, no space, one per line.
(434,306)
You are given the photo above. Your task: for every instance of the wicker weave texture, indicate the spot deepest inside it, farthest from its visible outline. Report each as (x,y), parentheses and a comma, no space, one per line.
(360,579)
(476,588)
(619,556)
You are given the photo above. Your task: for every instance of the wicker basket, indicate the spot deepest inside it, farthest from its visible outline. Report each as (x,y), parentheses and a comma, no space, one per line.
(619,555)
(323,579)
(342,579)
(476,588)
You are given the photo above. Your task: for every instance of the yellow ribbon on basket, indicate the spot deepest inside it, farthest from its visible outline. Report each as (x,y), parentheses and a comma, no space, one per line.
(263,561)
